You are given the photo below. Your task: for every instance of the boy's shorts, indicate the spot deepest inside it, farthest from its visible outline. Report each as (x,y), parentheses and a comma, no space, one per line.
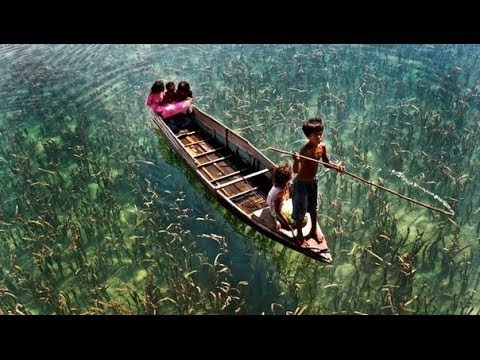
(304,198)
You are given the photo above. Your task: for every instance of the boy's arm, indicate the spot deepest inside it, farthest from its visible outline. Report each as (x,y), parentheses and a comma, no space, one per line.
(325,159)
(296,162)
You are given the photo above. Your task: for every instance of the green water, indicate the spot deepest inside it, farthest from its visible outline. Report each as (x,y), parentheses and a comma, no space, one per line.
(99,216)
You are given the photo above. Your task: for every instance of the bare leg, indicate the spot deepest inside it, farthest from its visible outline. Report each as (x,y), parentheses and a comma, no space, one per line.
(314,233)
(300,239)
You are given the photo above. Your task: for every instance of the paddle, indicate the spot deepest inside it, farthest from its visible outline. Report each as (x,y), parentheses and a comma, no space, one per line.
(449,214)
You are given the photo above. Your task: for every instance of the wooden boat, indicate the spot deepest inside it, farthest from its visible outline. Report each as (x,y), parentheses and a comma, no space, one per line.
(238,175)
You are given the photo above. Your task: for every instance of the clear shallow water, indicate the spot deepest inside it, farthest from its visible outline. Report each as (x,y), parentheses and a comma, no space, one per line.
(99,216)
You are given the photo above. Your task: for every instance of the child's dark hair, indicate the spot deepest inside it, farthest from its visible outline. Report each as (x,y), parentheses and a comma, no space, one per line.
(170,85)
(313,125)
(183,85)
(157,86)
(183,91)
(282,174)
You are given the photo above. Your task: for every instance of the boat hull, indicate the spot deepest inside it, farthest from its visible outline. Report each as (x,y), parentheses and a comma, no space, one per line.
(237,174)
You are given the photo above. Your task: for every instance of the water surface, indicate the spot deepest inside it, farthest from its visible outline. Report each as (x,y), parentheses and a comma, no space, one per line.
(99,216)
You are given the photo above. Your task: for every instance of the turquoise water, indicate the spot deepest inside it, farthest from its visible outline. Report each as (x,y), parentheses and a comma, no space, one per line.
(99,216)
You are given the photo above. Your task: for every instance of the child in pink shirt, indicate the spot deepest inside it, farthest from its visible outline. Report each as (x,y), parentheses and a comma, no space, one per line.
(155,97)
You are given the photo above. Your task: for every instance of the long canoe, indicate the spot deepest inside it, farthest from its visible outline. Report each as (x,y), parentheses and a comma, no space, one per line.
(238,175)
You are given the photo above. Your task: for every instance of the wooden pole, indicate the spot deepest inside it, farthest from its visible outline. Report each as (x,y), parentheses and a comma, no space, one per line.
(449,214)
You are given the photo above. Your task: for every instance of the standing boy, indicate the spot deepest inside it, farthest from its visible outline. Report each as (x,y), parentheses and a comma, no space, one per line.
(305,188)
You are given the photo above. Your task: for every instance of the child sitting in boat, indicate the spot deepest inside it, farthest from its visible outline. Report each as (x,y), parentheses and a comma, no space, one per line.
(183,96)
(183,91)
(279,193)
(170,94)
(155,96)
(169,106)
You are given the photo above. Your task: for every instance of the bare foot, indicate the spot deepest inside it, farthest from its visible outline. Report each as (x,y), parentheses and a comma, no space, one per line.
(278,225)
(317,236)
(304,244)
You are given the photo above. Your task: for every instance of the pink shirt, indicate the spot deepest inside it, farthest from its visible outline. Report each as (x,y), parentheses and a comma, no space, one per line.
(154,99)
(173,109)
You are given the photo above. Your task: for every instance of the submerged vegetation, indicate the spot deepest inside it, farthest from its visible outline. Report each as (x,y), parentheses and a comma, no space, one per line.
(99,216)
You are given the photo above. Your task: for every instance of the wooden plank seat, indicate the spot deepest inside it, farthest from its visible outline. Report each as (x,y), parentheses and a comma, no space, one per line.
(214,161)
(179,136)
(243,192)
(242,178)
(226,176)
(208,152)
(195,143)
